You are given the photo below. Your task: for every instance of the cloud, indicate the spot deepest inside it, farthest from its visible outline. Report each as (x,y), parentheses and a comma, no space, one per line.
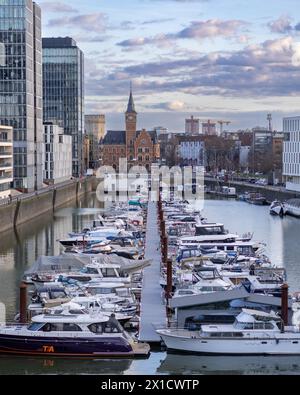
(268,69)
(56,6)
(175,105)
(96,22)
(199,30)
(281,25)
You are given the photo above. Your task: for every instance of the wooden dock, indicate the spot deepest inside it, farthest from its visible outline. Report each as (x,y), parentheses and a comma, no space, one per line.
(153,309)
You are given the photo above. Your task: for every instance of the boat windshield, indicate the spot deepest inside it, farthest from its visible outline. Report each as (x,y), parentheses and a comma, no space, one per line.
(254,325)
(35,326)
(210,230)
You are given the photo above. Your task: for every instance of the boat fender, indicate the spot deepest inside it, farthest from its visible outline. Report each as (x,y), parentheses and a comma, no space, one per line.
(277,341)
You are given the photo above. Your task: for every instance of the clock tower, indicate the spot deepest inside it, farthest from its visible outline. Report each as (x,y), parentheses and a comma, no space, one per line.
(130,120)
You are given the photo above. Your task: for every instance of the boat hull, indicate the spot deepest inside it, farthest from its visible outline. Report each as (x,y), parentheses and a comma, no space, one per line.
(65,347)
(263,346)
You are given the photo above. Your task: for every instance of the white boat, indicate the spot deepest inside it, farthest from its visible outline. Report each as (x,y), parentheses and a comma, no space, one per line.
(278,208)
(293,207)
(252,333)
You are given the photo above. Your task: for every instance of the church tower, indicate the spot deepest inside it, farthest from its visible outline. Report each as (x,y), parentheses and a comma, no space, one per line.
(130,120)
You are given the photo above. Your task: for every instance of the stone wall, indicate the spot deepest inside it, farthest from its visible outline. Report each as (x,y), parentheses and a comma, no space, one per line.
(28,208)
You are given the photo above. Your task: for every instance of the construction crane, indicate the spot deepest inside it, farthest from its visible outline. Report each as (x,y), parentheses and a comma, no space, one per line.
(211,123)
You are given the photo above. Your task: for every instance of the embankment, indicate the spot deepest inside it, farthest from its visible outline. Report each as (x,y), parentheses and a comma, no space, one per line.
(26,208)
(270,192)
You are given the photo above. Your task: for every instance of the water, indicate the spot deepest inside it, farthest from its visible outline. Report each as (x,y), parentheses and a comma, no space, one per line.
(19,250)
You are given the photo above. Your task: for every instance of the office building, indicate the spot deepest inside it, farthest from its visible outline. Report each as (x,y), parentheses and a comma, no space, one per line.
(291,153)
(94,132)
(6,160)
(63,91)
(21,88)
(58,154)
(191,150)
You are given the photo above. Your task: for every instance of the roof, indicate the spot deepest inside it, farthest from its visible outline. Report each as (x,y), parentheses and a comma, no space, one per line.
(236,293)
(131,107)
(152,134)
(114,137)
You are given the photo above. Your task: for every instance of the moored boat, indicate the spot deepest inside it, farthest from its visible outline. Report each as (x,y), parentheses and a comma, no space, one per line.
(252,333)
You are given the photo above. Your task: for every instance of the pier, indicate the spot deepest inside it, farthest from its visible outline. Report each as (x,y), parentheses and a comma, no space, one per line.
(153,309)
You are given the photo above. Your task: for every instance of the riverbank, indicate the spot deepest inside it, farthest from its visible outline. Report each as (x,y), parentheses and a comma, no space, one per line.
(270,192)
(28,207)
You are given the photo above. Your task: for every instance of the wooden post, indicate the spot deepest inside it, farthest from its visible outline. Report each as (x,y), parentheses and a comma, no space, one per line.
(23,303)
(165,249)
(169,289)
(284,304)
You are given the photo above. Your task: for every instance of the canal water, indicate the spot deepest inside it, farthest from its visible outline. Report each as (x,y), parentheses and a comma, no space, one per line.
(18,250)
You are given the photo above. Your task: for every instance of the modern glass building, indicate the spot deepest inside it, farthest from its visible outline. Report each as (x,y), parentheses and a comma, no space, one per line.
(63,91)
(21,88)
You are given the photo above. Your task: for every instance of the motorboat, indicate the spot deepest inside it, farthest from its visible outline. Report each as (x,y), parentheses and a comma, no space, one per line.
(253,333)
(278,208)
(292,207)
(70,335)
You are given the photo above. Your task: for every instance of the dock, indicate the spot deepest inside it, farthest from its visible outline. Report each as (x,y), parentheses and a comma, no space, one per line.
(153,309)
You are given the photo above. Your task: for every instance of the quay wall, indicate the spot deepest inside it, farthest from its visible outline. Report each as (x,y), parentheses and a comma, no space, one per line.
(25,208)
(270,192)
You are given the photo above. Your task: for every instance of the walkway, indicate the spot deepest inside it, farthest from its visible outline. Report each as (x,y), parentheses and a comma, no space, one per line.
(153,311)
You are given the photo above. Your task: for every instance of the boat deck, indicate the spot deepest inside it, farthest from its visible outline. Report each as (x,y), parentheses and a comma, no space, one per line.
(153,310)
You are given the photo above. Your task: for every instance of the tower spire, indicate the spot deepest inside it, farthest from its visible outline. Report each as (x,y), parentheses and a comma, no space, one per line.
(131,107)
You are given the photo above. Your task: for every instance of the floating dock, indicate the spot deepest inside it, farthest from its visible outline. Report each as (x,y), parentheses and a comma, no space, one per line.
(153,309)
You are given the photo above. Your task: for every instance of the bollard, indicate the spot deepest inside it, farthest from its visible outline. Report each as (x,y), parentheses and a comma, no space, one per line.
(23,303)
(284,303)
(165,249)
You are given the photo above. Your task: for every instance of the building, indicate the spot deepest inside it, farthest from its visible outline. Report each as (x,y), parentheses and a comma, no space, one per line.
(160,130)
(261,151)
(95,131)
(244,157)
(86,152)
(21,89)
(58,154)
(6,160)
(191,150)
(192,125)
(277,154)
(63,91)
(291,153)
(140,147)
(209,128)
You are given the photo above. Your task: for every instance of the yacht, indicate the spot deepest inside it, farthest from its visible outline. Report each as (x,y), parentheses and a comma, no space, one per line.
(252,333)
(70,335)
(278,208)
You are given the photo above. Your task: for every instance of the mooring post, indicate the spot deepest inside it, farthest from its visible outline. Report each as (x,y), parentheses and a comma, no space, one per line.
(23,303)
(284,303)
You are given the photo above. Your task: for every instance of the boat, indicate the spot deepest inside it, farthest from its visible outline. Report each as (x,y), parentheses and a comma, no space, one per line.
(253,333)
(72,335)
(292,207)
(253,198)
(278,208)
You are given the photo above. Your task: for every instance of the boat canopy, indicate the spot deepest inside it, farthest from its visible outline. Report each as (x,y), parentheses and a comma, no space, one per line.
(73,262)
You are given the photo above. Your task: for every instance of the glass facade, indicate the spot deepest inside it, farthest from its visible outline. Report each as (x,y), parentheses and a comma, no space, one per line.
(21,88)
(63,92)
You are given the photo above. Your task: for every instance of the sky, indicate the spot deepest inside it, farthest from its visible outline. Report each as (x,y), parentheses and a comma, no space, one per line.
(235,60)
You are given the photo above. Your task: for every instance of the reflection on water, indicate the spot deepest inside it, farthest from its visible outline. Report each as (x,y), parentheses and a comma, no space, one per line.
(21,365)
(197,364)
(19,250)
(280,235)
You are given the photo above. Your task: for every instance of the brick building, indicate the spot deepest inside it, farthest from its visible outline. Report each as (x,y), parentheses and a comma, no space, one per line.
(140,147)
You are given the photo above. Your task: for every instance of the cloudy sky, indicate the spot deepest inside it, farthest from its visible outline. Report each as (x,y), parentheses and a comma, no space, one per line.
(221,59)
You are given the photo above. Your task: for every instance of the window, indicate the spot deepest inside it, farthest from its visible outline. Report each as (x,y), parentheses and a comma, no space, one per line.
(96,328)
